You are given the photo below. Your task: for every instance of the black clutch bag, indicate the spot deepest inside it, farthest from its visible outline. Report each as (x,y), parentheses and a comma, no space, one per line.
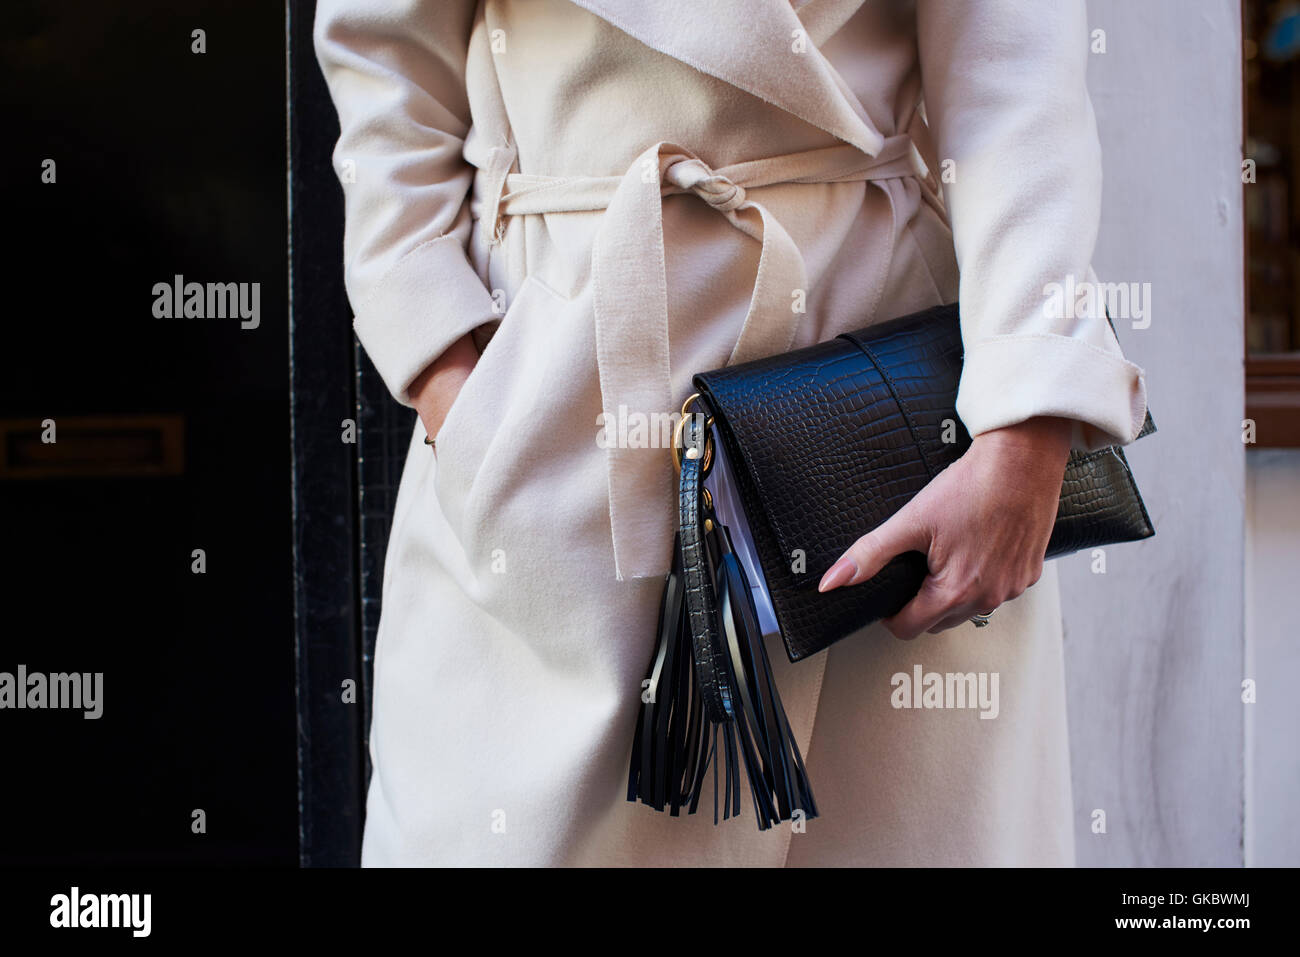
(824,444)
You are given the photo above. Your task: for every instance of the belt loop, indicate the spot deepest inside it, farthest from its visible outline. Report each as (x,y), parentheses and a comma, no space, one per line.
(500,161)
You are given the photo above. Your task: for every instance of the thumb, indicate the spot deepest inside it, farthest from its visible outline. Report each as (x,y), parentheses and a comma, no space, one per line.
(901,532)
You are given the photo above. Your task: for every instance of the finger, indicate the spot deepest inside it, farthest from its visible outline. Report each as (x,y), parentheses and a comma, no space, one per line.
(963,614)
(931,605)
(864,559)
(959,617)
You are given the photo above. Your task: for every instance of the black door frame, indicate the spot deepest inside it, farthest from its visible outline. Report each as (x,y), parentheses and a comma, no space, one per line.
(322,369)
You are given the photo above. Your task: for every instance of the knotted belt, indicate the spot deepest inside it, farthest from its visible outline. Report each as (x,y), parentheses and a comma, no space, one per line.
(631,291)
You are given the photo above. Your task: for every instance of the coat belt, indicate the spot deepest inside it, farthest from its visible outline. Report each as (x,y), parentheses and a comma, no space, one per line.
(631,293)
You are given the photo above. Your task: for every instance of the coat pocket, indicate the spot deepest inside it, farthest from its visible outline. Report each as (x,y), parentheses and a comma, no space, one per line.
(490,394)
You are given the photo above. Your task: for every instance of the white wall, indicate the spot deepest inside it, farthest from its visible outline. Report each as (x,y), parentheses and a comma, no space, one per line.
(1154,647)
(1273,657)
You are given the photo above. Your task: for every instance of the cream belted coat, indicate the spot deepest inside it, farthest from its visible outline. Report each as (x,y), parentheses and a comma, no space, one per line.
(612,195)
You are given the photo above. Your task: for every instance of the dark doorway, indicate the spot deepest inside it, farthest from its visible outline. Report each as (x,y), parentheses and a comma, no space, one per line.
(172,435)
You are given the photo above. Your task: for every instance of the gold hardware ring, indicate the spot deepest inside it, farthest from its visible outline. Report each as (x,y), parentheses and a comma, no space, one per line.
(679,432)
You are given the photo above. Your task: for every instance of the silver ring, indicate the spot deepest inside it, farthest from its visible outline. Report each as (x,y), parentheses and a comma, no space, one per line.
(979,621)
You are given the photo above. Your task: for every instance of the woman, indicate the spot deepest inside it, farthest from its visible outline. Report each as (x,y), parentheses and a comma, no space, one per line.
(557,212)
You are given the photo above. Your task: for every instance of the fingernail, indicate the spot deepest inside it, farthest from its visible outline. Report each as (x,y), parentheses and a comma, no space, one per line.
(841,573)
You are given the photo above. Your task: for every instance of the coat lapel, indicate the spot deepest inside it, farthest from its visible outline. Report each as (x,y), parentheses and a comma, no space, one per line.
(752,44)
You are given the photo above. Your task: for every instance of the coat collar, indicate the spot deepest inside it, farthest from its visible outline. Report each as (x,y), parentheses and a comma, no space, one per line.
(749,44)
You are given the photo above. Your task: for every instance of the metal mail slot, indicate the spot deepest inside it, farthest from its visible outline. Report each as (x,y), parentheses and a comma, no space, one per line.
(75,447)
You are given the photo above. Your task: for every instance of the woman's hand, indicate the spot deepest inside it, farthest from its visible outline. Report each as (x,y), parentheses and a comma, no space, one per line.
(983,523)
(435,389)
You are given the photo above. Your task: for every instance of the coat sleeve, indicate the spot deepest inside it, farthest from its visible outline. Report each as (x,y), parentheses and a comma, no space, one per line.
(1006,101)
(396,73)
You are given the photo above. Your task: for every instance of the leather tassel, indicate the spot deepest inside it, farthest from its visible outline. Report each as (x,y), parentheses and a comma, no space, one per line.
(675,744)
(670,754)
(777,777)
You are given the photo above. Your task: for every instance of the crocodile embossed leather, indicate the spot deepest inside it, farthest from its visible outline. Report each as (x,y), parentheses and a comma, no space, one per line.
(828,442)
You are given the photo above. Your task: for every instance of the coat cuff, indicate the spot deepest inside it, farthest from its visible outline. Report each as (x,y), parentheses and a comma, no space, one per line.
(1009,379)
(427,301)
